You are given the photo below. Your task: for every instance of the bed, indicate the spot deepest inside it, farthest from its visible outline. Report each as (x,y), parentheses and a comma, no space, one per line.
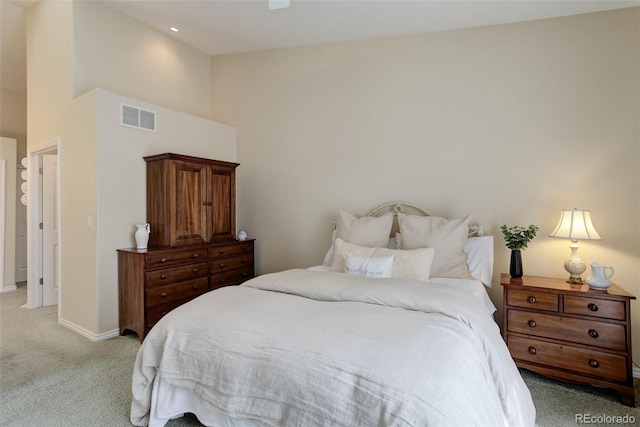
(378,335)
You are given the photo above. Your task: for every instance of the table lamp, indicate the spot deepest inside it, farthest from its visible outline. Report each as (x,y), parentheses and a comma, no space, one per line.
(575,224)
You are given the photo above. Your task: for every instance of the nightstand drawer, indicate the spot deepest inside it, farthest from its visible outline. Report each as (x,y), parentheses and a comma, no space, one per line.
(165,294)
(168,276)
(533,299)
(582,331)
(588,362)
(597,307)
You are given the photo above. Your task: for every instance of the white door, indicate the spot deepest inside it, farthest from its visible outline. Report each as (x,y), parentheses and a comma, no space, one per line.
(50,239)
(21,234)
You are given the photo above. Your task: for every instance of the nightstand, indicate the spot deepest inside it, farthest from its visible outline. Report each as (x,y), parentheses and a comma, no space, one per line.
(570,332)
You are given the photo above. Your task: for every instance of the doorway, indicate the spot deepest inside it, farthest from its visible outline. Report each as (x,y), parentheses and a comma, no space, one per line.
(43,207)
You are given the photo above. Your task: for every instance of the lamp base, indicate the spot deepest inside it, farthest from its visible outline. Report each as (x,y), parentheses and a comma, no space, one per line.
(575,280)
(574,265)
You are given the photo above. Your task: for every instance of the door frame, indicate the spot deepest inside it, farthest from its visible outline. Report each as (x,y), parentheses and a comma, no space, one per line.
(34,237)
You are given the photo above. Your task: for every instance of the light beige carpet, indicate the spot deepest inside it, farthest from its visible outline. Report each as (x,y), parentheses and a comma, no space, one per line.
(51,376)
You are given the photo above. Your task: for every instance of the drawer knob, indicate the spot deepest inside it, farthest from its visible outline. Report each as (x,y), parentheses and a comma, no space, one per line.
(244,260)
(244,248)
(593,333)
(195,270)
(591,306)
(163,276)
(220,280)
(195,255)
(163,260)
(163,313)
(532,323)
(532,350)
(195,287)
(594,363)
(221,265)
(531,300)
(245,274)
(221,251)
(164,294)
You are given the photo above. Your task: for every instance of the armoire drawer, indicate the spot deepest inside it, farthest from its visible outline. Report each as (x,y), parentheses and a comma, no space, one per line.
(231,250)
(225,264)
(176,257)
(178,291)
(176,274)
(231,277)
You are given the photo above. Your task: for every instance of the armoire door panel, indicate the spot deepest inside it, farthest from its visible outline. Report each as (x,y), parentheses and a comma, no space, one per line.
(189,219)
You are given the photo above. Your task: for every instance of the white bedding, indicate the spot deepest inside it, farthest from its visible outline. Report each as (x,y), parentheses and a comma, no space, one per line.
(309,348)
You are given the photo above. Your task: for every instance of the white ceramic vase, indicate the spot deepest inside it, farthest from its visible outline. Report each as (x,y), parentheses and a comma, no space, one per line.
(142,235)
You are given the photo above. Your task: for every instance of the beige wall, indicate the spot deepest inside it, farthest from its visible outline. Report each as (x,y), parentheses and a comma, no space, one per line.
(510,123)
(115,52)
(101,169)
(7,214)
(121,174)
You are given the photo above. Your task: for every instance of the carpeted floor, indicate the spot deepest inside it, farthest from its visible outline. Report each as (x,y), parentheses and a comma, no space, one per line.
(51,376)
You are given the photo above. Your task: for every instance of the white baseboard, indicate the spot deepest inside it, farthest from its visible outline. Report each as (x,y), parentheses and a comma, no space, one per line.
(88,334)
(9,288)
(636,372)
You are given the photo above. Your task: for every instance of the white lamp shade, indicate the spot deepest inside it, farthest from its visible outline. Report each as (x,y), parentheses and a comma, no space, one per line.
(575,224)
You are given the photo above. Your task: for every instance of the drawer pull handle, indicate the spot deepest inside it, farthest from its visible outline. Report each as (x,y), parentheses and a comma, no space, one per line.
(221,265)
(221,251)
(244,248)
(532,323)
(163,260)
(195,255)
(163,313)
(593,333)
(244,260)
(220,280)
(195,270)
(594,363)
(532,350)
(592,307)
(194,287)
(245,274)
(164,294)
(163,276)
(531,300)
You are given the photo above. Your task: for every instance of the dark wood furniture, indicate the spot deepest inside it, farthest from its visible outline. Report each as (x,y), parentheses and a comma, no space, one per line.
(570,332)
(153,282)
(190,200)
(192,246)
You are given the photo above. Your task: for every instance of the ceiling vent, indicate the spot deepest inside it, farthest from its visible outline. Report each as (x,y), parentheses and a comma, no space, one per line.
(136,117)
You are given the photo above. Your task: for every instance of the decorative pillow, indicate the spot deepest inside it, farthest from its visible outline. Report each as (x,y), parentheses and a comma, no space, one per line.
(377,267)
(446,236)
(410,264)
(366,231)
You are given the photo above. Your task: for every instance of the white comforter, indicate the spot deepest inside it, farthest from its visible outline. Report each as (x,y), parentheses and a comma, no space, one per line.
(306,348)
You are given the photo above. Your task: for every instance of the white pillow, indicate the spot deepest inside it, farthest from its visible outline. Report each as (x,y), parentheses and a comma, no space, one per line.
(366,231)
(479,252)
(376,267)
(412,264)
(446,236)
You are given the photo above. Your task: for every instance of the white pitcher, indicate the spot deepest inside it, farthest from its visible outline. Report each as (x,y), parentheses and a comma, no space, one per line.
(599,279)
(142,235)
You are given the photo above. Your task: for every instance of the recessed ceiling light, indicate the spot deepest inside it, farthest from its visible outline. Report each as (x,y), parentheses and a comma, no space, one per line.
(174,29)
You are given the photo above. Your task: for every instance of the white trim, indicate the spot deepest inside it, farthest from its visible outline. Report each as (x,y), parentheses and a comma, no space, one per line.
(3,197)
(9,289)
(88,334)
(34,240)
(636,372)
